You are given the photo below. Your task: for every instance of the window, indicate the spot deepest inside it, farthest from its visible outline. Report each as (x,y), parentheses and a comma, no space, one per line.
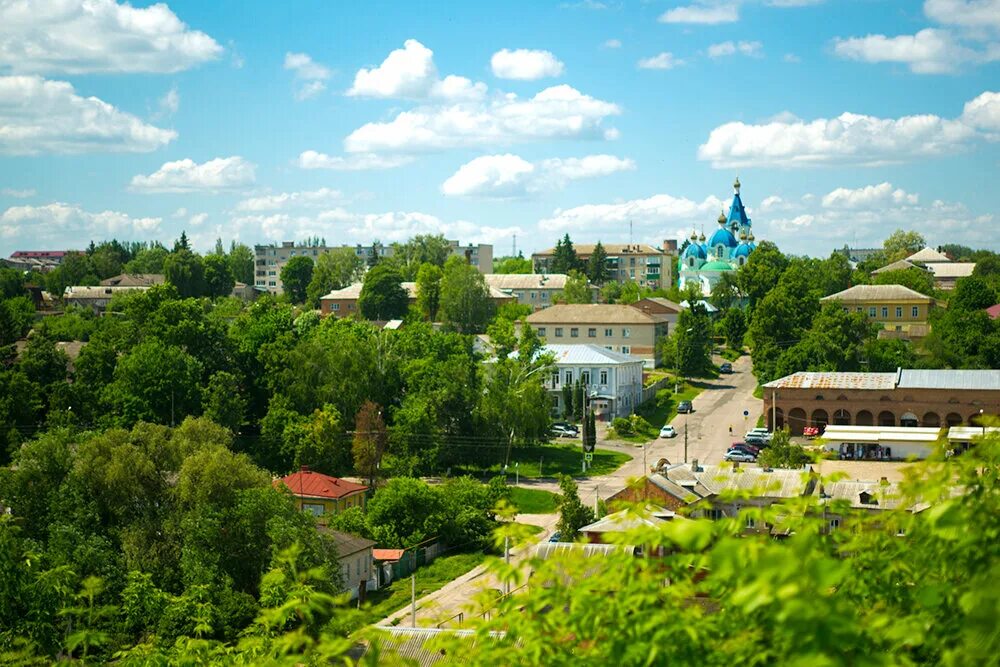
(608,333)
(316,509)
(751,522)
(558,332)
(568,377)
(885,311)
(714,515)
(336,306)
(555,378)
(834,524)
(591,333)
(626,349)
(585,377)
(541,331)
(272,273)
(626,332)
(899,312)
(915,311)
(631,273)
(860,309)
(532,296)
(574,332)
(544,295)
(271,283)
(604,377)
(871,311)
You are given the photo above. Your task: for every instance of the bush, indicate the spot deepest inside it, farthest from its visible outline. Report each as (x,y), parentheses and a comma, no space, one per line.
(622,426)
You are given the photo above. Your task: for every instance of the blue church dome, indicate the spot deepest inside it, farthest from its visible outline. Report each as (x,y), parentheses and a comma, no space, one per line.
(694,250)
(722,236)
(742,250)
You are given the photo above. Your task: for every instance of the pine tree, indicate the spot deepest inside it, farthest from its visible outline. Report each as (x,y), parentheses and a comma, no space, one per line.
(597,265)
(564,258)
(579,391)
(568,411)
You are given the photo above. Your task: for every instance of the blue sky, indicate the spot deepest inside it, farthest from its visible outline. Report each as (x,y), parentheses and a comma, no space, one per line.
(844,119)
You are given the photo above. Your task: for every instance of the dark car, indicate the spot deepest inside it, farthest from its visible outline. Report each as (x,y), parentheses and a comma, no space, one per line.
(758,440)
(744,447)
(556,536)
(566,426)
(726,368)
(684,407)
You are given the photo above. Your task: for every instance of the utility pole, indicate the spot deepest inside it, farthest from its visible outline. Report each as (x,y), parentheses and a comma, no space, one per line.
(413,600)
(506,560)
(685,440)
(597,498)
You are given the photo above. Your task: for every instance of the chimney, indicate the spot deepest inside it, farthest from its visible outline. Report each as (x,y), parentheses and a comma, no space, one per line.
(304,469)
(694,466)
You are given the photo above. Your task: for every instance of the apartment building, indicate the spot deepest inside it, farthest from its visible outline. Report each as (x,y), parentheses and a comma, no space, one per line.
(270,258)
(900,312)
(629,262)
(531,289)
(614,327)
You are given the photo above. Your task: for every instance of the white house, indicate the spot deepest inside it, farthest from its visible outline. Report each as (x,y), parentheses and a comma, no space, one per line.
(355,556)
(613,379)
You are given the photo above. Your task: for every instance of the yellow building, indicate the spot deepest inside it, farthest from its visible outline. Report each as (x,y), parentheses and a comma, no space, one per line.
(899,311)
(323,495)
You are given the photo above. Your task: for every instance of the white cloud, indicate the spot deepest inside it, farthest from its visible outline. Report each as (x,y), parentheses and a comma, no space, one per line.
(309,75)
(705,13)
(458,88)
(410,73)
(306,198)
(849,139)
(356,162)
(198,219)
(730,48)
(508,176)
(525,64)
(651,215)
(189,176)
(773,202)
(557,112)
(66,225)
(98,36)
(613,44)
(170,103)
(966,13)
(18,194)
(180,213)
(930,51)
(868,196)
(40,116)
(663,60)
(791,58)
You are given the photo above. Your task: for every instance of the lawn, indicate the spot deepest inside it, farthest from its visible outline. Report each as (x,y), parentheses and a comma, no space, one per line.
(730,354)
(396,595)
(533,501)
(663,407)
(554,459)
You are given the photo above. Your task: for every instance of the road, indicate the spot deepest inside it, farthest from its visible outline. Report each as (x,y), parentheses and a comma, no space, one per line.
(719,407)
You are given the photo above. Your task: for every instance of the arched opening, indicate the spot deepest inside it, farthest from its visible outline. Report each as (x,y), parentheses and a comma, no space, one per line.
(909,420)
(779,420)
(864,418)
(796,421)
(842,418)
(820,419)
(975,419)
(886,418)
(953,419)
(691,262)
(718,251)
(742,259)
(931,420)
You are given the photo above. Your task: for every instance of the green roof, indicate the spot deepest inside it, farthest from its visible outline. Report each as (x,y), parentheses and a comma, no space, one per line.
(717,265)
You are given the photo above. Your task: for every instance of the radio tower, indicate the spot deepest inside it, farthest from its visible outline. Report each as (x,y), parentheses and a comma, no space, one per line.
(513,247)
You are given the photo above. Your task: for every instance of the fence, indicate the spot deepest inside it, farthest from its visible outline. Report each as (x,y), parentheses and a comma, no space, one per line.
(414,558)
(650,391)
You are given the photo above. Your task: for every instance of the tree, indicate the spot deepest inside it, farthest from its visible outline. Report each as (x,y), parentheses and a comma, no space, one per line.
(901,244)
(972,293)
(597,265)
(590,435)
(466,305)
(734,325)
(693,337)
(429,290)
(569,398)
(219,280)
(404,512)
(182,243)
(295,277)
(154,382)
(382,295)
(334,270)
(241,260)
(917,279)
(16,316)
(573,514)
(987,266)
(149,260)
(224,402)
(370,441)
(761,272)
(185,271)
(724,292)
(579,400)
(419,250)
(577,289)
(887,354)
(512,264)
(11,283)
(564,258)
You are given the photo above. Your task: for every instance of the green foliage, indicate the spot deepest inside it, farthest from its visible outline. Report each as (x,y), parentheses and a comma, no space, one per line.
(465,302)
(240,259)
(186,272)
(564,258)
(886,355)
(597,265)
(918,280)
(577,289)
(296,275)
(421,249)
(75,323)
(517,264)
(573,514)
(429,290)
(219,281)
(334,270)
(633,425)
(783,453)
(734,327)
(223,401)
(11,283)
(901,244)
(16,315)
(382,295)
(154,382)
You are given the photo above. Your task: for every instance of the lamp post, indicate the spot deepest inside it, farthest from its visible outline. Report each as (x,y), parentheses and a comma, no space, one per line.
(982,424)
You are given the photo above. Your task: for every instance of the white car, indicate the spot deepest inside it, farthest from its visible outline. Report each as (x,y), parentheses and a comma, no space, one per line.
(737,455)
(668,432)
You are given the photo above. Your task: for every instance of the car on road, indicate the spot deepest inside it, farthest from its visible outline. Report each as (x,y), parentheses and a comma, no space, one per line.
(744,447)
(567,426)
(758,440)
(741,457)
(563,432)
(668,431)
(761,431)
(684,407)
(725,368)
(556,536)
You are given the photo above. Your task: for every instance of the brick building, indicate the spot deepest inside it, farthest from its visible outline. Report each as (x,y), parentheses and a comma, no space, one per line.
(927,398)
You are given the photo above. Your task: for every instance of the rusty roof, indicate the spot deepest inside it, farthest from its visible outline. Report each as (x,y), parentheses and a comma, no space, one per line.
(831,380)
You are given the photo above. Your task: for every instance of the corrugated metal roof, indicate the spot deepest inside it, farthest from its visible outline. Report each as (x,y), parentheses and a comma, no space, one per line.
(626,520)
(899,265)
(593,313)
(830,380)
(952,269)
(589,353)
(949,379)
(878,293)
(764,483)
(353,291)
(928,255)
(526,280)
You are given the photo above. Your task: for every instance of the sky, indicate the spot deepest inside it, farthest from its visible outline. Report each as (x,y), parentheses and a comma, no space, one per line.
(486,121)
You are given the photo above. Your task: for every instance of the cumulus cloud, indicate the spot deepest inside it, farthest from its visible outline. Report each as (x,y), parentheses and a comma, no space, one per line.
(189,176)
(525,64)
(849,138)
(508,176)
(310,76)
(410,73)
(66,225)
(18,194)
(558,112)
(966,13)
(868,196)
(98,36)
(40,116)
(704,13)
(930,51)
(613,44)
(658,216)
(306,198)
(731,48)
(355,162)
(663,60)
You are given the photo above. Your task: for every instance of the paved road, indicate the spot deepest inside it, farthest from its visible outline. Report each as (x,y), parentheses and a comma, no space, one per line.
(717,408)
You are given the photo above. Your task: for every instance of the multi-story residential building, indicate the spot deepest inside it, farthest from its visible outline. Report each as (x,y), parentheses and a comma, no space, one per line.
(531,289)
(614,327)
(629,262)
(97,297)
(900,312)
(344,302)
(36,260)
(269,259)
(613,380)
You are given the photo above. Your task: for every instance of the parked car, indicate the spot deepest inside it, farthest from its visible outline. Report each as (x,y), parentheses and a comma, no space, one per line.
(668,431)
(684,407)
(810,431)
(563,432)
(745,447)
(567,425)
(725,368)
(758,439)
(741,457)
(556,536)
(761,431)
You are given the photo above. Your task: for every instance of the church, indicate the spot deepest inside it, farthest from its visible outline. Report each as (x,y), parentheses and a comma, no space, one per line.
(704,263)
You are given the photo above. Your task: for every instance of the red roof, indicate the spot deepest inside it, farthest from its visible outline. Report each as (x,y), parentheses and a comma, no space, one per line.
(311,484)
(993,311)
(388,554)
(39,253)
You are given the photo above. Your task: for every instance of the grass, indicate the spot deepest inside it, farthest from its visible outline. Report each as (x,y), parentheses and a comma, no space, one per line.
(533,501)
(554,459)
(759,391)
(430,578)
(662,408)
(730,354)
